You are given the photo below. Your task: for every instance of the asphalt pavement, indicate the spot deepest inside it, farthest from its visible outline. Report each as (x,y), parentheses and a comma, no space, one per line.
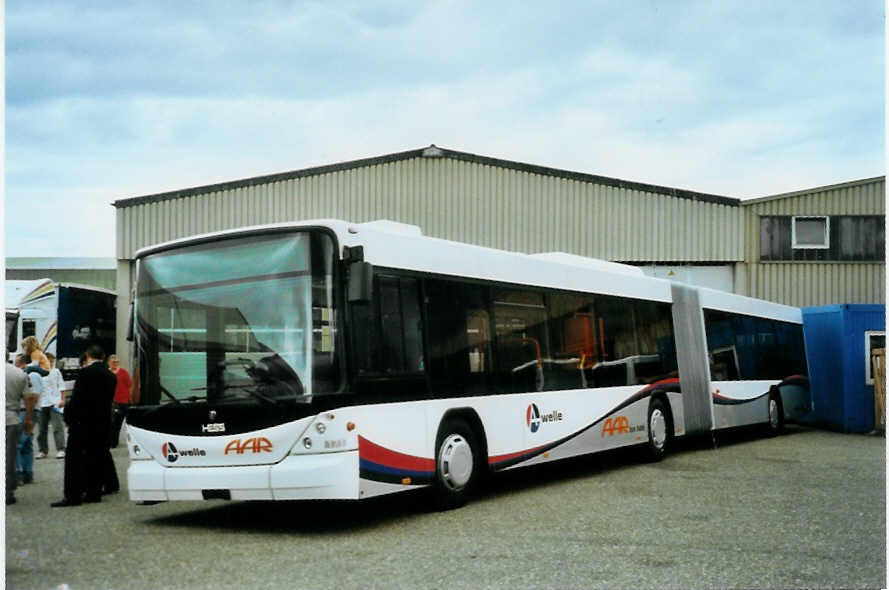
(806,509)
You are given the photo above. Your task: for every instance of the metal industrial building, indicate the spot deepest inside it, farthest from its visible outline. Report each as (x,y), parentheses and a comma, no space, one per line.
(96,272)
(708,239)
(849,267)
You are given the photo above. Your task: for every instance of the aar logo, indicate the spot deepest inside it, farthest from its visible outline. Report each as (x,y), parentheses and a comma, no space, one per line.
(170,452)
(532,417)
(253,445)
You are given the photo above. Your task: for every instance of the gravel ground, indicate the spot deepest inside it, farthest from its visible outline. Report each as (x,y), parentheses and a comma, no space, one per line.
(807,509)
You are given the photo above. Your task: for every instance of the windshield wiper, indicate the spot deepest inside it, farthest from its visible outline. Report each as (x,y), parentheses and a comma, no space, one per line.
(244,387)
(167,393)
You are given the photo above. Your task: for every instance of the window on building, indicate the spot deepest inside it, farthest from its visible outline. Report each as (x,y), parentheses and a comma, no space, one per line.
(811,232)
(852,238)
(872,341)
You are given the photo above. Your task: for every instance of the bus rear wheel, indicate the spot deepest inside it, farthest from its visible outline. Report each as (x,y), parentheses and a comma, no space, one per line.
(658,430)
(456,464)
(775,424)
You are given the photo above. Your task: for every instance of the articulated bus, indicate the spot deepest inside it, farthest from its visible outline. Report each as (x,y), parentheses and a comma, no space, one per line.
(331,360)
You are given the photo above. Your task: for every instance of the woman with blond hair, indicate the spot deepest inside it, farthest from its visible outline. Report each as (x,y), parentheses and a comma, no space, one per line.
(34,354)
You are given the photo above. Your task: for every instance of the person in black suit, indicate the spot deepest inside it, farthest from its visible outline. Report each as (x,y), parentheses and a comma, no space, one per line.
(88,417)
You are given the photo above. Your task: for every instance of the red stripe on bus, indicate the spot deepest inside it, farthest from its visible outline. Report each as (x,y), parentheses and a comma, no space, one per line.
(383,456)
(508,456)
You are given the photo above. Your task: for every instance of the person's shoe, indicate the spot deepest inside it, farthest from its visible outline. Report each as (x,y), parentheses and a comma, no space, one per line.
(60,454)
(40,455)
(10,500)
(92,499)
(28,478)
(64,502)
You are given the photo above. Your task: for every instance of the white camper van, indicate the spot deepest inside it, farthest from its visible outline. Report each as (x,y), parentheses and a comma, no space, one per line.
(64,317)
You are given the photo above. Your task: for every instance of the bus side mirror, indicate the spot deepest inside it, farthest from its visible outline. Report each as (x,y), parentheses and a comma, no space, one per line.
(360,287)
(130,337)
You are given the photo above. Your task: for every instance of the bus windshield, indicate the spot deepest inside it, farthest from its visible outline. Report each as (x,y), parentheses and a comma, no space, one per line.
(247,319)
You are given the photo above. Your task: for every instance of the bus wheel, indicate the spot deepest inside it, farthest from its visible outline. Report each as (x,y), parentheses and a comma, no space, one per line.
(658,430)
(776,413)
(456,463)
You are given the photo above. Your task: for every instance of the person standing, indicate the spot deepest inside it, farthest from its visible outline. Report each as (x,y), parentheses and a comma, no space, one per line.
(88,416)
(25,446)
(34,354)
(121,398)
(51,404)
(16,386)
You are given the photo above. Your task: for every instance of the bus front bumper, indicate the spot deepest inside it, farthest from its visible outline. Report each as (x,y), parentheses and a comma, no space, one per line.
(327,476)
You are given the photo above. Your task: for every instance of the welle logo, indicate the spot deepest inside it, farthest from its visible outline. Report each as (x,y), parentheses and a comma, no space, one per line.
(533,418)
(170,451)
(172,454)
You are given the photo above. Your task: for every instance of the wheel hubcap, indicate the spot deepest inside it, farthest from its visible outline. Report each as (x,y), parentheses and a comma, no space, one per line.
(455,462)
(657,428)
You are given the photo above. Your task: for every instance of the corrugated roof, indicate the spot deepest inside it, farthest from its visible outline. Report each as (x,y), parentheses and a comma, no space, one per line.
(812,191)
(61,263)
(432,151)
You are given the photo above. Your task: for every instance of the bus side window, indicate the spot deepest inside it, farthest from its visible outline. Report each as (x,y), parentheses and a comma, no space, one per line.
(619,342)
(768,356)
(459,336)
(657,347)
(387,332)
(792,349)
(522,346)
(574,341)
(722,346)
(29,328)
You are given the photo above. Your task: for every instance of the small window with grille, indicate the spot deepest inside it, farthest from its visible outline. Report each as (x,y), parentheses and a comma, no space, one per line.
(811,232)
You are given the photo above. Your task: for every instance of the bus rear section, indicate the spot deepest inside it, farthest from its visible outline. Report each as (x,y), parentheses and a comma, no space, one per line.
(756,361)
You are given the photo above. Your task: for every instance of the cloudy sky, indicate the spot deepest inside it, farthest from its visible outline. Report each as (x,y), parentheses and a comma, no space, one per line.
(109,100)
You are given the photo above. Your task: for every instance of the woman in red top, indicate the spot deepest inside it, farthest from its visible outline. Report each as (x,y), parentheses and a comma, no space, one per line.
(121,398)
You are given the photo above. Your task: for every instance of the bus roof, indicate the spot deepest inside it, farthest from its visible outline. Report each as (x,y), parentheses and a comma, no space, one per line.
(397,245)
(730,302)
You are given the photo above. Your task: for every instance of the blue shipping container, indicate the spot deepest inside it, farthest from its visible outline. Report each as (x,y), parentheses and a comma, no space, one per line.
(837,351)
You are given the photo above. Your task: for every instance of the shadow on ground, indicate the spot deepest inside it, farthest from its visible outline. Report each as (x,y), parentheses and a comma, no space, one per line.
(331,517)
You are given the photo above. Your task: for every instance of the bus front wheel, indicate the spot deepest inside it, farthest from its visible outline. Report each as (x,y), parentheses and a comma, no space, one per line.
(456,464)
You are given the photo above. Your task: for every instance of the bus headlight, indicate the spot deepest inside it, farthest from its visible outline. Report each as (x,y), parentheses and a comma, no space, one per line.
(138,453)
(320,427)
(307,442)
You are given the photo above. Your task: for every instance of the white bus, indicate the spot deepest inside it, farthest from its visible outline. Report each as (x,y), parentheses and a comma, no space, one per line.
(330,360)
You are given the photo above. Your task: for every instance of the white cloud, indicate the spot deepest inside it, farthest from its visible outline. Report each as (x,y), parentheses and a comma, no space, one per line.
(737,99)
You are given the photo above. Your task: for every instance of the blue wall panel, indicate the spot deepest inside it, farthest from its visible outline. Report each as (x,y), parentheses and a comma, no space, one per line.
(835,347)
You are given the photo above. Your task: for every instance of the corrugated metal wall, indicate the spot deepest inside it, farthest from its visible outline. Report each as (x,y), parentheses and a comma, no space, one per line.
(822,283)
(465,201)
(804,284)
